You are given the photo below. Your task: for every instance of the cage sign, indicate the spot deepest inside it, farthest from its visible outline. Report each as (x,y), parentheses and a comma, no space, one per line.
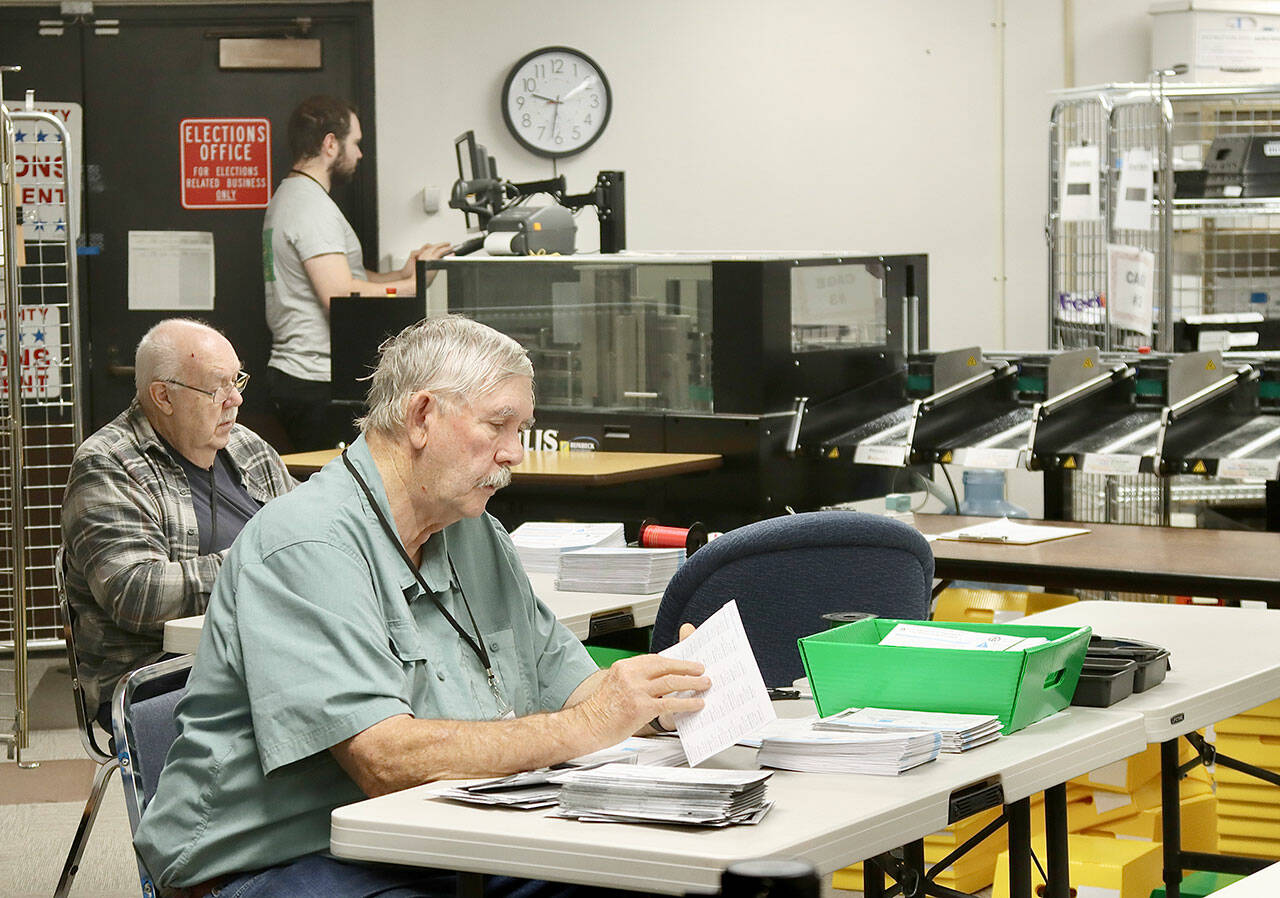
(225,163)
(41,171)
(1130,287)
(40,339)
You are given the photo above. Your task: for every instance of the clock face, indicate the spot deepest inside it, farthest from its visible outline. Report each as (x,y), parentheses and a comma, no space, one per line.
(556,101)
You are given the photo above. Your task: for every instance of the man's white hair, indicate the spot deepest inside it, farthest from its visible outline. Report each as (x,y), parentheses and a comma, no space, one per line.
(457,359)
(161,350)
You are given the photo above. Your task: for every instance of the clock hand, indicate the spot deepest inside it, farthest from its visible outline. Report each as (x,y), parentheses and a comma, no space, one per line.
(541,97)
(590,79)
(554,116)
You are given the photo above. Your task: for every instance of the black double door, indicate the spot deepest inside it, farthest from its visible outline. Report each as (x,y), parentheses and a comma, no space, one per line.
(137,72)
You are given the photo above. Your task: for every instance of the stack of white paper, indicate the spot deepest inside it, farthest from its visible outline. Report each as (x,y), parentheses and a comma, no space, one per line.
(632,571)
(918,636)
(541,543)
(960,732)
(794,744)
(627,793)
(651,751)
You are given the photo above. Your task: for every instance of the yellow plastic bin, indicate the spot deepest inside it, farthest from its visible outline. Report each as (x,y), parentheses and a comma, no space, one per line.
(847,667)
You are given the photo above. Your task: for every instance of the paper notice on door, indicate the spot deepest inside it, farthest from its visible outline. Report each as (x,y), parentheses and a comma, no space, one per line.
(171,270)
(1131,274)
(1133,193)
(1078,193)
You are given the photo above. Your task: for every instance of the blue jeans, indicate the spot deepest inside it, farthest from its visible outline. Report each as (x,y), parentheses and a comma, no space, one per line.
(322,875)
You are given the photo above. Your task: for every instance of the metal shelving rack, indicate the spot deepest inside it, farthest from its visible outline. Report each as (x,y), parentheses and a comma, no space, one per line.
(1212,255)
(39,433)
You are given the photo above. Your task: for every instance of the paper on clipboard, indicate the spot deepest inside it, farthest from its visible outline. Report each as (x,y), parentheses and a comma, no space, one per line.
(1003,530)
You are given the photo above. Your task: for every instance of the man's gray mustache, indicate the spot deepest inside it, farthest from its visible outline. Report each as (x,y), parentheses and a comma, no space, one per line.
(498,479)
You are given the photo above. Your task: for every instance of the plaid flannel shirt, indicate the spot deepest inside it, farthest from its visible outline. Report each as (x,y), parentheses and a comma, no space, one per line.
(132,543)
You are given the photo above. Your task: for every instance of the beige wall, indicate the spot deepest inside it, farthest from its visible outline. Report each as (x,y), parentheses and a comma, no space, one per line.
(864,125)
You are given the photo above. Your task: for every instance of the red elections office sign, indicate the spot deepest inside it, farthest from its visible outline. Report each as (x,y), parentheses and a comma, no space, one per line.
(226,163)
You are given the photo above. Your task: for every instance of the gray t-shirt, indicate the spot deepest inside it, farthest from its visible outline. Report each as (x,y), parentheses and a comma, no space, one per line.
(302,222)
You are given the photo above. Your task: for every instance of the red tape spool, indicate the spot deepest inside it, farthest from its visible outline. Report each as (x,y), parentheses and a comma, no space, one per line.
(655,536)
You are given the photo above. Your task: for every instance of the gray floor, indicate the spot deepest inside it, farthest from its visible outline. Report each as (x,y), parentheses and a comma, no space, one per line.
(34,838)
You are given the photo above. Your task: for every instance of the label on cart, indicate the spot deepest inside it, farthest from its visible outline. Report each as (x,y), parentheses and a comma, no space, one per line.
(894,456)
(1249,468)
(1111,463)
(987,457)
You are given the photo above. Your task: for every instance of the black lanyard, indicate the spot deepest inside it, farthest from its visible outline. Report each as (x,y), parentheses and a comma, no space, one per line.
(476,644)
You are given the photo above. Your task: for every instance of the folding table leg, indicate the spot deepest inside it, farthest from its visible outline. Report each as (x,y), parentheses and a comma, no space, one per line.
(1171,811)
(872,878)
(470,885)
(1055,828)
(1019,816)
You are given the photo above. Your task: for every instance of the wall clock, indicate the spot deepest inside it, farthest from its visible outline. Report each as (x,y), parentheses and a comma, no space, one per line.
(556,101)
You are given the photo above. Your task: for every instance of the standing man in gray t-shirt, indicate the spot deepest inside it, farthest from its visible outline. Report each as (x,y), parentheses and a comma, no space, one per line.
(309,254)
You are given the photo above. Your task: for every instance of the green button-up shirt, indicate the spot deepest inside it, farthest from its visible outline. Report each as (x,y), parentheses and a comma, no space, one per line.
(316,631)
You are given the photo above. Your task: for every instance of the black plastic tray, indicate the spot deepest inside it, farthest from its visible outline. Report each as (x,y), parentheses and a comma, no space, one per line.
(1152,660)
(1104,681)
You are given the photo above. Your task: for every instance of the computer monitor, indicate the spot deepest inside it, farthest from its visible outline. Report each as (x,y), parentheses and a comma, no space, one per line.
(476,166)
(358,325)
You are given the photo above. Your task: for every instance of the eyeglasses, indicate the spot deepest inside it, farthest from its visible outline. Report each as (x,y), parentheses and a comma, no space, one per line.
(223,393)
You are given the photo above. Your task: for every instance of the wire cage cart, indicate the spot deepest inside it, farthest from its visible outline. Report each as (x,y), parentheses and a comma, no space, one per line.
(1212,255)
(38,434)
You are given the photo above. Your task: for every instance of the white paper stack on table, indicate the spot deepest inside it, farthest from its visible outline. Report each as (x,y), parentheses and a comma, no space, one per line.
(624,570)
(1003,530)
(631,794)
(918,636)
(795,744)
(541,543)
(647,751)
(960,732)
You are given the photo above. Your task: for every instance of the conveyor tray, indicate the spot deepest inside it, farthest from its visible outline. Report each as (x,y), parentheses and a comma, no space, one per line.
(890,427)
(1250,450)
(1125,446)
(997,443)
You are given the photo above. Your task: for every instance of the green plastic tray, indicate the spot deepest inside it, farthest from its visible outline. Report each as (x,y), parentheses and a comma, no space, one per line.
(847,667)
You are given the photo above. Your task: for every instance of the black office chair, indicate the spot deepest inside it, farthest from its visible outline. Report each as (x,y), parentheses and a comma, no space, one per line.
(142,716)
(786,572)
(105,756)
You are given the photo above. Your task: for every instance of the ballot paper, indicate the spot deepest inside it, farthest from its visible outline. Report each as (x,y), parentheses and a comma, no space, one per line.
(959,732)
(1003,530)
(917,636)
(651,751)
(523,791)
(737,704)
(797,744)
(610,569)
(541,543)
(708,797)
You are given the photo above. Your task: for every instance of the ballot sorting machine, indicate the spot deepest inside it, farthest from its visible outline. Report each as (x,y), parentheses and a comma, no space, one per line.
(1165,414)
(689,352)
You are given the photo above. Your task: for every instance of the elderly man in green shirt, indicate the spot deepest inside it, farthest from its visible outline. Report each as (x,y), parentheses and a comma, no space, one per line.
(373,630)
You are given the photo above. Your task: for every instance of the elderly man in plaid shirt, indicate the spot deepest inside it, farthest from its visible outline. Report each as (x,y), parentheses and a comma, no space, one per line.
(156,498)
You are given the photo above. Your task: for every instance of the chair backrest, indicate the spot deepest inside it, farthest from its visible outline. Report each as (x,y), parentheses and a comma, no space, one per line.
(142,716)
(786,572)
(84,715)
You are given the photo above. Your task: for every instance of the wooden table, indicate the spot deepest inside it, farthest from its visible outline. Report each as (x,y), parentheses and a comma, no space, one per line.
(563,468)
(1229,564)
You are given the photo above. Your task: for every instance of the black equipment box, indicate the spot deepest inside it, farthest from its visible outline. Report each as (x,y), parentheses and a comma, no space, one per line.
(1243,166)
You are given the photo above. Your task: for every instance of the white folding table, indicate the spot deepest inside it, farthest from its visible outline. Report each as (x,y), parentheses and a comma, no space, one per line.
(586,614)
(1224,661)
